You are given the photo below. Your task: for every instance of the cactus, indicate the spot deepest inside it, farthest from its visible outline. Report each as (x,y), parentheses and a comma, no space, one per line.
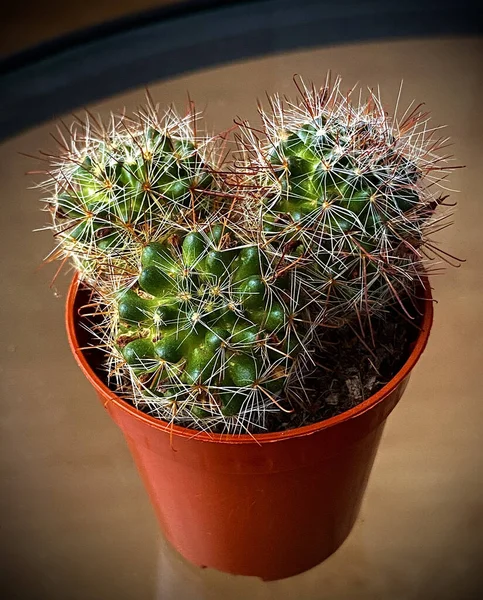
(344,192)
(213,284)
(210,332)
(201,326)
(113,187)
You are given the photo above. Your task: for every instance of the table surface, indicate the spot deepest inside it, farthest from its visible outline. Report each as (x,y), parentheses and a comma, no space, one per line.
(76,522)
(28,24)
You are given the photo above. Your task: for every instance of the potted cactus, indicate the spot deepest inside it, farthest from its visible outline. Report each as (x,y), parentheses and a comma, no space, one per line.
(213,301)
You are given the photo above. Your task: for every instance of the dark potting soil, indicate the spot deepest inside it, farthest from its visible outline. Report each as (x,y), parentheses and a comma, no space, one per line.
(351,367)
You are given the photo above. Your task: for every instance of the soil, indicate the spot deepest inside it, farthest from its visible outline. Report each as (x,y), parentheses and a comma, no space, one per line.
(352,367)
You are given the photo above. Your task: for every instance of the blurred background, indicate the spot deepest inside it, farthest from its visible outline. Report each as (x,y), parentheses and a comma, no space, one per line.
(26,24)
(75,520)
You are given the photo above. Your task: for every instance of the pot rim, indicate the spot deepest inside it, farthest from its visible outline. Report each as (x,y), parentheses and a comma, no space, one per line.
(246,438)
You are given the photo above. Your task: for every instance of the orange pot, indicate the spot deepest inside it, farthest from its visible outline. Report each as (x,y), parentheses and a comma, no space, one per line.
(271,505)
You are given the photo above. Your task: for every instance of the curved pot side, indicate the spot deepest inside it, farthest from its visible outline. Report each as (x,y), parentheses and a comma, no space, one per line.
(270,505)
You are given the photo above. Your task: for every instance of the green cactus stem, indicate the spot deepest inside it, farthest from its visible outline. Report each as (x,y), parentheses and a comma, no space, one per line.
(117,185)
(210,327)
(343,191)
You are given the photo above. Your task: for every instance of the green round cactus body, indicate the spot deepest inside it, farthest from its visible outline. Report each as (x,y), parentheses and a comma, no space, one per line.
(209,313)
(114,192)
(129,187)
(346,204)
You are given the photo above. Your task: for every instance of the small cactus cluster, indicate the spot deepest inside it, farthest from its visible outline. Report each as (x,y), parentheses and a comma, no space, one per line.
(201,325)
(215,279)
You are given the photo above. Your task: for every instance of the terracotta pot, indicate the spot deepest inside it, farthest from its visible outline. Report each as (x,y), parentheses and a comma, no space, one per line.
(271,505)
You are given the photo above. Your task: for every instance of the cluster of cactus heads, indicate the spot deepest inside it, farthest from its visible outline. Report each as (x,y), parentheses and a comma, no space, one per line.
(218,278)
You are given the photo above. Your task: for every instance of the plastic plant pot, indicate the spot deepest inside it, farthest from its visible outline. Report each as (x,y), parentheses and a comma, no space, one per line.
(269,505)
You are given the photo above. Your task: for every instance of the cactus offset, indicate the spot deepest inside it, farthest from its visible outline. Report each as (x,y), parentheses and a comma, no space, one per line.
(343,191)
(114,187)
(209,331)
